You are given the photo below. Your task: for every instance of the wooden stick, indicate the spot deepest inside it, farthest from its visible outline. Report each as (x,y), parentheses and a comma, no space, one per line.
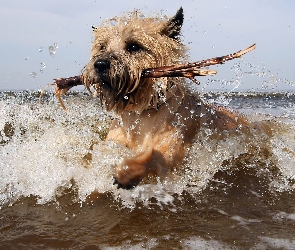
(191,70)
(62,85)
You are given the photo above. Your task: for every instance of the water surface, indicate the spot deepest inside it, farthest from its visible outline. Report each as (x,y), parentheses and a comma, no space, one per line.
(235,191)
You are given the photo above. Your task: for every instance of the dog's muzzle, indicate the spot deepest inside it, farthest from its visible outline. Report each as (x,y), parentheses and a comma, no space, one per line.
(102,66)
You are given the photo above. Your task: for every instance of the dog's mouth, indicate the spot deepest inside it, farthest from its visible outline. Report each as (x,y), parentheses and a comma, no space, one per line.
(105,84)
(112,80)
(102,69)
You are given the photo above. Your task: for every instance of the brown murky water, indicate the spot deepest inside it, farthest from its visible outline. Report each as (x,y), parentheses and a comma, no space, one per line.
(234,193)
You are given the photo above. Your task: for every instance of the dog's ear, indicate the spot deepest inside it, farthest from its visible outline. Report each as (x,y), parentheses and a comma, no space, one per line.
(173,26)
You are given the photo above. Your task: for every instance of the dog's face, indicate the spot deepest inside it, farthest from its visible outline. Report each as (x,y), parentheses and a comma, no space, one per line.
(123,47)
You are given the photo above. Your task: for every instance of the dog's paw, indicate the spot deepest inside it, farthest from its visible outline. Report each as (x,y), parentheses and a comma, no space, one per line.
(128,176)
(127,186)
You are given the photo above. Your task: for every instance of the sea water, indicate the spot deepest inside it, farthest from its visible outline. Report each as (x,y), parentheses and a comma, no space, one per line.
(235,190)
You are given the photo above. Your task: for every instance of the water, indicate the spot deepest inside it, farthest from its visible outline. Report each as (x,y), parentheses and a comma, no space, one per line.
(235,191)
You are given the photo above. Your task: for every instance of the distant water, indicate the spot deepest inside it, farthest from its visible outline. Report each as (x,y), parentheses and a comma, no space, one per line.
(236,190)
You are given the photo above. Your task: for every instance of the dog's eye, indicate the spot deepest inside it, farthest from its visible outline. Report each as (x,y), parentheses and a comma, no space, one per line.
(102,47)
(133,47)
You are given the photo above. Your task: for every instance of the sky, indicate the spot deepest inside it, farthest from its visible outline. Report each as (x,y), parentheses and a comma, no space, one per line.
(44,40)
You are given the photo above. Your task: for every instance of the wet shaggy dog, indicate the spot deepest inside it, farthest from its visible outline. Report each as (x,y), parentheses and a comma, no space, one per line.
(157,118)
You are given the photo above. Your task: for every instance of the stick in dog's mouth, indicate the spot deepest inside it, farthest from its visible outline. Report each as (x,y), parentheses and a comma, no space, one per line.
(190,70)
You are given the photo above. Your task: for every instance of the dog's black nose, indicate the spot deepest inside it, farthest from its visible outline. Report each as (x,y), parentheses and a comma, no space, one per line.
(102,65)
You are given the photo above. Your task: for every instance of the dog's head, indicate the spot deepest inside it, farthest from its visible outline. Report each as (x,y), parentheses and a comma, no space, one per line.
(123,47)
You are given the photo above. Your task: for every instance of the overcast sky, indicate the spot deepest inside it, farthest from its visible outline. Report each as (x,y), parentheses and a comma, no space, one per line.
(211,28)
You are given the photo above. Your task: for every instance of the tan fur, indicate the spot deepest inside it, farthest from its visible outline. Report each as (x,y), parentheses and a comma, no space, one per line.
(156,118)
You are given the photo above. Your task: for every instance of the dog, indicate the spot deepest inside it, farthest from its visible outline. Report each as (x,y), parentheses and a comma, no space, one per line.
(157,118)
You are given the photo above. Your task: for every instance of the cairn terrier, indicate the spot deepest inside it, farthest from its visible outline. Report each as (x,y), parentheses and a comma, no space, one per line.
(157,118)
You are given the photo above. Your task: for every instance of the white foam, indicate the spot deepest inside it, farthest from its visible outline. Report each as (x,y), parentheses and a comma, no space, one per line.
(277,243)
(284,216)
(151,243)
(200,243)
(49,150)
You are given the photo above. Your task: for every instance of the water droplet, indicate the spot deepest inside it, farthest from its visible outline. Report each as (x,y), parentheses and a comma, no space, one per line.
(52,50)
(40,49)
(42,65)
(113,21)
(33,74)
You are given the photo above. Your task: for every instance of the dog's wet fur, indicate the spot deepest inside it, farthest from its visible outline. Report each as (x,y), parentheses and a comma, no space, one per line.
(156,118)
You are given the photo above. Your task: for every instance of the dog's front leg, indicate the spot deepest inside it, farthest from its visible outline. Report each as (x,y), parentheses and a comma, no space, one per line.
(132,170)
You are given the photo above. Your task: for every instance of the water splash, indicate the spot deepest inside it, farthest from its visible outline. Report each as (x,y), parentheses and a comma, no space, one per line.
(45,151)
(243,68)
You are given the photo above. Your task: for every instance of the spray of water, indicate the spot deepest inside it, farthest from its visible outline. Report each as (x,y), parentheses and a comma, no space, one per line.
(45,151)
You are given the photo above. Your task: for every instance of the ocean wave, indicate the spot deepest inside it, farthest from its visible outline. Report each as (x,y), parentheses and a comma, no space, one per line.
(46,151)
